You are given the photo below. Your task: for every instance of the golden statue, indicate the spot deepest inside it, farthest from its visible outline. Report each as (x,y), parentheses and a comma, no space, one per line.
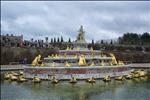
(73,80)
(37,61)
(67,48)
(91,49)
(67,64)
(49,56)
(92,64)
(53,64)
(65,55)
(52,55)
(70,48)
(82,61)
(102,63)
(92,55)
(76,56)
(120,62)
(78,48)
(114,61)
(56,56)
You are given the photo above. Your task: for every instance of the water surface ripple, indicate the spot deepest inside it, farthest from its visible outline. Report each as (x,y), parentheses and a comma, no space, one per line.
(135,89)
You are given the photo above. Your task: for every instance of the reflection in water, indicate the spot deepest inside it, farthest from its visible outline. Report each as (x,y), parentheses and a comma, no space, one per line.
(115,90)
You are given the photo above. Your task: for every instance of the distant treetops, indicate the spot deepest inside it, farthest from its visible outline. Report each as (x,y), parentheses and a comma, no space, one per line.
(134,38)
(127,38)
(59,40)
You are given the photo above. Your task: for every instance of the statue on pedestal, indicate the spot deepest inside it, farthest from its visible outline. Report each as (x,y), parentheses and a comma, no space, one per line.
(80,42)
(81,36)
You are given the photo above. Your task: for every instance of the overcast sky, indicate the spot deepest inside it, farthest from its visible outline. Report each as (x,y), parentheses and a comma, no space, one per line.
(101,20)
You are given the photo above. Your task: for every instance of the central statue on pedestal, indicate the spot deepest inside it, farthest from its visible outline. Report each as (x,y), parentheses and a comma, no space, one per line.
(80,42)
(81,36)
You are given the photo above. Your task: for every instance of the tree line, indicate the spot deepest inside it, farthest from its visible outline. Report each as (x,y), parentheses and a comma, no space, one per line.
(135,39)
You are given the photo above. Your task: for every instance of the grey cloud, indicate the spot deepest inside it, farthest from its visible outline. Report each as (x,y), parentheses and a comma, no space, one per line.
(55,19)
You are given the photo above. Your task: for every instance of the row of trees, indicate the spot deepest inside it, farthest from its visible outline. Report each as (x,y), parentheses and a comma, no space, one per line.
(127,38)
(58,40)
(134,38)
